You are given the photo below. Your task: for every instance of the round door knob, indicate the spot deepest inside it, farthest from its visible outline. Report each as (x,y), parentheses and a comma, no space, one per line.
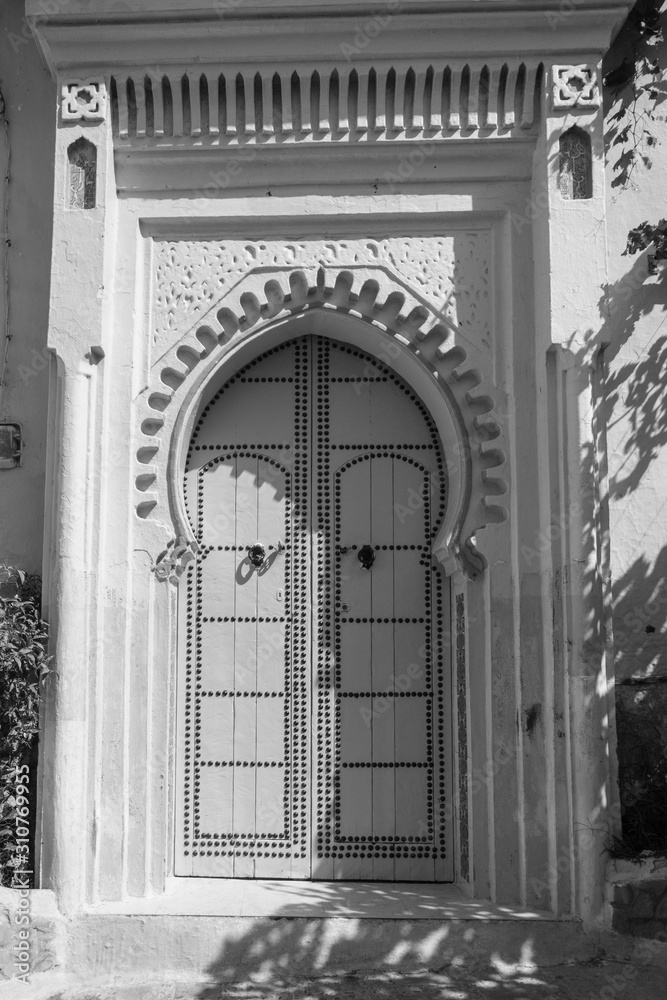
(256,554)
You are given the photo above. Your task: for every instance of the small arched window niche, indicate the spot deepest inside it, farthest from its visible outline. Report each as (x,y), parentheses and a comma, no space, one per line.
(82,174)
(575,178)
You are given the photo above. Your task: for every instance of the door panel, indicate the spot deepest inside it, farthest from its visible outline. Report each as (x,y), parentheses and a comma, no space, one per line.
(243,808)
(313,741)
(381,779)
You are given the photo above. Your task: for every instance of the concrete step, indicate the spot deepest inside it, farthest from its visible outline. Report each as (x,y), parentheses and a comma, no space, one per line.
(230,931)
(637,895)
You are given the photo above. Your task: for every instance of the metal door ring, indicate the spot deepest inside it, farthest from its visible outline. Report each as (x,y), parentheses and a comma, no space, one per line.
(257,554)
(366,556)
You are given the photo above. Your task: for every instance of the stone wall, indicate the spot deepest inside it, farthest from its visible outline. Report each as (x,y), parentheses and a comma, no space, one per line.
(36,912)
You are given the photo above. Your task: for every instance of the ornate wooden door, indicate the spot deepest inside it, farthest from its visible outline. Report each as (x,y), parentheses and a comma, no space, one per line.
(315,684)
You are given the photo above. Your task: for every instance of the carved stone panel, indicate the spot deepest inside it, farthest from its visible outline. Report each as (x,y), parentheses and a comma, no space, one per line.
(575,87)
(433,294)
(450,271)
(83,100)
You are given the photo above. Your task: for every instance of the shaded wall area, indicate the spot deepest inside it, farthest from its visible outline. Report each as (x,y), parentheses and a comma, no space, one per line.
(634,315)
(27,130)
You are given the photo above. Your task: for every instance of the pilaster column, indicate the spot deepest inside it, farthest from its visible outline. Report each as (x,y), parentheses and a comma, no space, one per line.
(569,252)
(79,317)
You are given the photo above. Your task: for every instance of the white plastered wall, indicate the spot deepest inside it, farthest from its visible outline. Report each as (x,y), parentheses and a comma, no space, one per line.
(538,719)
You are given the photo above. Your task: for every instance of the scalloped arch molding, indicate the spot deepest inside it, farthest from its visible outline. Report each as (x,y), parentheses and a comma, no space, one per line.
(405,332)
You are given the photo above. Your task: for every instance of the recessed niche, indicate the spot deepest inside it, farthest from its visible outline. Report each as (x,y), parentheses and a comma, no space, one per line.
(574,168)
(82,174)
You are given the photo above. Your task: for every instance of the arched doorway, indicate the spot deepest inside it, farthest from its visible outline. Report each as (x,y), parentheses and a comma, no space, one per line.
(315,680)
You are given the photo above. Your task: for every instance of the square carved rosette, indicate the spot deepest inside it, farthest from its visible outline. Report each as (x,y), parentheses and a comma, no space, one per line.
(83,100)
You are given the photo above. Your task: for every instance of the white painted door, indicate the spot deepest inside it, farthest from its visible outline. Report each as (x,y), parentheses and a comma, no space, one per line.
(315,684)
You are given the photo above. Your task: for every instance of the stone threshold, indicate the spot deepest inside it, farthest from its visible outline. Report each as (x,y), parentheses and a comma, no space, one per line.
(636,895)
(219,897)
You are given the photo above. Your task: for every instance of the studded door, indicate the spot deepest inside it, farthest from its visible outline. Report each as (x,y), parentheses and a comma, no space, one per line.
(315,673)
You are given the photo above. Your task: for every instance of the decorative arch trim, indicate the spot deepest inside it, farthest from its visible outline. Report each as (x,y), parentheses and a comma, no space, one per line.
(402,330)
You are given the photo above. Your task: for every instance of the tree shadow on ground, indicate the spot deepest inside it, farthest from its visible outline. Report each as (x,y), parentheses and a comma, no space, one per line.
(287,957)
(425,986)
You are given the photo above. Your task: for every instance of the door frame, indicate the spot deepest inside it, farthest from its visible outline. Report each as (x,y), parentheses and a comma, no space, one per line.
(455,449)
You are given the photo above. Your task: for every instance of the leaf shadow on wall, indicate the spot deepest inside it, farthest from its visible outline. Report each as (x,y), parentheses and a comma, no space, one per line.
(632,431)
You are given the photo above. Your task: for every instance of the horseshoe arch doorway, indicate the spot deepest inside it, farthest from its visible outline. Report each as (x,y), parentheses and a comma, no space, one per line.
(314,707)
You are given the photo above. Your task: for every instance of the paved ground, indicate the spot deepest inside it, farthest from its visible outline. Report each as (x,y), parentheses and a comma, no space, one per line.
(597,980)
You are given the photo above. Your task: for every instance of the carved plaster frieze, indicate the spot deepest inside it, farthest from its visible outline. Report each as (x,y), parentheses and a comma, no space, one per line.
(372,295)
(83,100)
(575,87)
(452,272)
(170,564)
(400,99)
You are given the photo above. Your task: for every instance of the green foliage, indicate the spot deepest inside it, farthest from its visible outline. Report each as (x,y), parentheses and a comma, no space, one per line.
(641,726)
(24,667)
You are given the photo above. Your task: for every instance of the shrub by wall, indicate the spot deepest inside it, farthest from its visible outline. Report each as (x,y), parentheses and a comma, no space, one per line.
(24,668)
